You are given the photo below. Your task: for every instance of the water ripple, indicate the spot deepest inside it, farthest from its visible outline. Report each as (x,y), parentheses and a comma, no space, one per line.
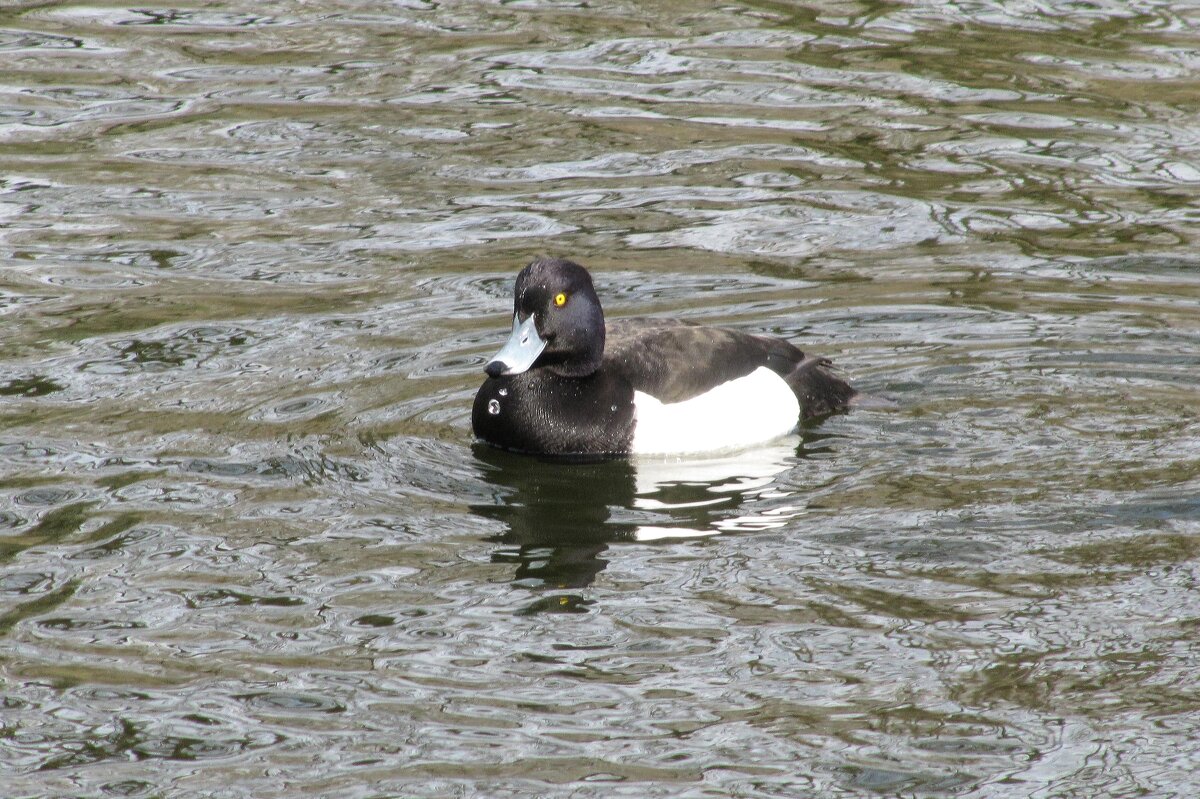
(254,260)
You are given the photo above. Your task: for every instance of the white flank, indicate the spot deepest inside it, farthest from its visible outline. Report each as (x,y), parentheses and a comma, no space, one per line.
(750,410)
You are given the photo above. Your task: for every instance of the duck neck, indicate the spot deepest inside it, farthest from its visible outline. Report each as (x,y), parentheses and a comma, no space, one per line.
(581,362)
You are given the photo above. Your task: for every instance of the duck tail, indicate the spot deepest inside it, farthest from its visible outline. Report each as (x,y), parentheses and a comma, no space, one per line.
(820,391)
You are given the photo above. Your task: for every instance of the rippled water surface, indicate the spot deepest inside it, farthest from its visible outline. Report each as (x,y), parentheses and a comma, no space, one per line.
(254,256)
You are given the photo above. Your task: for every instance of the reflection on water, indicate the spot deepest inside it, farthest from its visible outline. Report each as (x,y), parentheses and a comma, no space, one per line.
(560,517)
(697,497)
(253,257)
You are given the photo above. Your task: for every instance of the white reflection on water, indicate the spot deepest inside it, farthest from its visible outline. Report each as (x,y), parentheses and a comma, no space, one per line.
(735,478)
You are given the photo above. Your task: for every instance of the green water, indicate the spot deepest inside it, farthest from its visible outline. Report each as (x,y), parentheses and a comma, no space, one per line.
(254,256)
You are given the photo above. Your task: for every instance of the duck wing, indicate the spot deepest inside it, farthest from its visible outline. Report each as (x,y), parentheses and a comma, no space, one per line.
(675,361)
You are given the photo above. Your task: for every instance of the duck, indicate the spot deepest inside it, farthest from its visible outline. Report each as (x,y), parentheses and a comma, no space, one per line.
(567,383)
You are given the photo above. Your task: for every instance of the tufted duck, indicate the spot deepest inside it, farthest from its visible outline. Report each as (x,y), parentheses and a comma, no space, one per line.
(565,384)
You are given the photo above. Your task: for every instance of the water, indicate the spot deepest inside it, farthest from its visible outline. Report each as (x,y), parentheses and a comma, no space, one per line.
(255,256)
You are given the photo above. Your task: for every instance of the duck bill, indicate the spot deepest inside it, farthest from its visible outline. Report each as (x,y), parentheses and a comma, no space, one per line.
(523,348)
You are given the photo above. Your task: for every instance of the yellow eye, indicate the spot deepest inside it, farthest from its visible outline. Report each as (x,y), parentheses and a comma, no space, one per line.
(560,300)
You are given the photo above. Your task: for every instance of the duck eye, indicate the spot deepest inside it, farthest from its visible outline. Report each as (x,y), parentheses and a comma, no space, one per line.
(560,300)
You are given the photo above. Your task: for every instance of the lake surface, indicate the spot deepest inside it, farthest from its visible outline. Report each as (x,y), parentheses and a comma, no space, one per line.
(253,257)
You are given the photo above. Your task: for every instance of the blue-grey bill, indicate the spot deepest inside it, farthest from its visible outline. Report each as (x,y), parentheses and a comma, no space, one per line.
(522,349)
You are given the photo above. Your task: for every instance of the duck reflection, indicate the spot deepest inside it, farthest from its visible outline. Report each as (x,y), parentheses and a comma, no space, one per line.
(561,517)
